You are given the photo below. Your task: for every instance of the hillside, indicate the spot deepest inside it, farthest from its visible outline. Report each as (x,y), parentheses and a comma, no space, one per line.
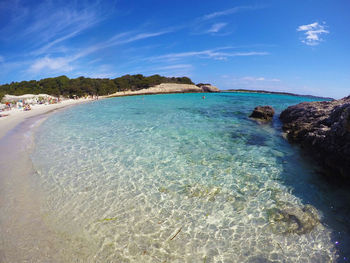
(63,86)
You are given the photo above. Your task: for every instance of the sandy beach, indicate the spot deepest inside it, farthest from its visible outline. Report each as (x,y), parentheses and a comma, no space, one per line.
(19,196)
(16,116)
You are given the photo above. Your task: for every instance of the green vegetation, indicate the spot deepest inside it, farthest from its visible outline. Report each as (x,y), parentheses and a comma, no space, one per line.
(2,94)
(63,86)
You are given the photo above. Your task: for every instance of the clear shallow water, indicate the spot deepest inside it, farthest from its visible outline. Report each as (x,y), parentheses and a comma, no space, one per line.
(174,178)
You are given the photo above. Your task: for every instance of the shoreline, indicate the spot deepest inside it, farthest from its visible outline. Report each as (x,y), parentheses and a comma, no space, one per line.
(21,219)
(20,194)
(16,117)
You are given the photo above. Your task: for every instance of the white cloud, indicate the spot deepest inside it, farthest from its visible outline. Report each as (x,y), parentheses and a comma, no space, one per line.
(258,79)
(178,66)
(313,33)
(216,27)
(99,75)
(51,64)
(253,78)
(210,53)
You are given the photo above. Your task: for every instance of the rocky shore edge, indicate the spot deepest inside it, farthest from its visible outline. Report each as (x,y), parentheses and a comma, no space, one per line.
(323,129)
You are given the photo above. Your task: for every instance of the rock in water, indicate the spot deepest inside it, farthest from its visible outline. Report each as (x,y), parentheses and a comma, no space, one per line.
(264,113)
(292,219)
(323,128)
(208,87)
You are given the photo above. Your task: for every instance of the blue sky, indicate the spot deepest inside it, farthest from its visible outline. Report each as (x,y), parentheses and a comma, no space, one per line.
(300,46)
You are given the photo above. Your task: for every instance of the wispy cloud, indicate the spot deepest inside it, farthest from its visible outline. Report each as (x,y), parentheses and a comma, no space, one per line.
(101,71)
(201,24)
(216,27)
(64,64)
(257,79)
(177,66)
(49,23)
(139,37)
(46,47)
(313,33)
(51,64)
(60,22)
(227,12)
(119,39)
(217,54)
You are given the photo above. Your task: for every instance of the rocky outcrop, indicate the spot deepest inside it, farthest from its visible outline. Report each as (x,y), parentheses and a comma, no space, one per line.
(168,88)
(323,128)
(208,88)
(263,113)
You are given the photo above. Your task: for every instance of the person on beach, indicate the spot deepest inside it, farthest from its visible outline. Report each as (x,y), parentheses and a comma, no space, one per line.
(8,106)
(27,107)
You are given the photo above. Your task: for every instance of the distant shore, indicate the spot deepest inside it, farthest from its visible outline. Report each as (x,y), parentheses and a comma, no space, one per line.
(166,88)
(275,92)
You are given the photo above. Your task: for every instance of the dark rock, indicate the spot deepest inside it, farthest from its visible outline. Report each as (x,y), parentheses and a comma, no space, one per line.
(292,219)
(323,128)
(264,113)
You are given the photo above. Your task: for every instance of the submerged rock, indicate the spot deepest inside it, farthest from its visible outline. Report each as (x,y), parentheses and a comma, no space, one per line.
(324,129)
(292,219)
(264,113)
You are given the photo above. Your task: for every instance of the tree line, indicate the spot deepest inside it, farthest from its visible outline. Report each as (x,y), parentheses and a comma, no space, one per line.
(81,86)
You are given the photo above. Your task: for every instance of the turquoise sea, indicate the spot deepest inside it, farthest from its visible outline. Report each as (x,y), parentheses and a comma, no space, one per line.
(178,178)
